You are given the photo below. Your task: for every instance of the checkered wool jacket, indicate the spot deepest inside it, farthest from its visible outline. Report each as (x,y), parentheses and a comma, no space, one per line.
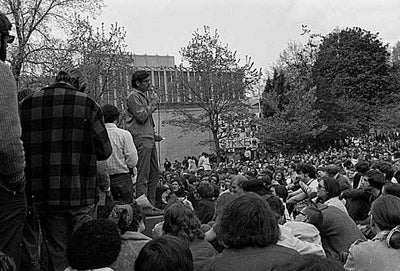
(64,135)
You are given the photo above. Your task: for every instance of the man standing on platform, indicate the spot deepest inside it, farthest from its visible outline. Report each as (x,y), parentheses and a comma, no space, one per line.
(123,158)
(140,123)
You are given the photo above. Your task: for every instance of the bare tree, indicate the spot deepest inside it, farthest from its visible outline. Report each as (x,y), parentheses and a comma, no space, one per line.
(34,22)
(216,82)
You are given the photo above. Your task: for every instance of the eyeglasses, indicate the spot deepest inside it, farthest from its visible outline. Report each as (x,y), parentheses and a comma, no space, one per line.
(146,81)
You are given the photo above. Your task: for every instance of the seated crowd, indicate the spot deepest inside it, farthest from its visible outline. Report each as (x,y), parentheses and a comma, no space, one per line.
(306,216)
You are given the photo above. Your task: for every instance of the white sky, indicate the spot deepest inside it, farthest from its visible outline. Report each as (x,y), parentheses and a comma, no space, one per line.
(258,28)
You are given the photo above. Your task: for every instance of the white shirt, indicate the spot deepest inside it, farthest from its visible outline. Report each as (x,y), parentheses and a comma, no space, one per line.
(124,154)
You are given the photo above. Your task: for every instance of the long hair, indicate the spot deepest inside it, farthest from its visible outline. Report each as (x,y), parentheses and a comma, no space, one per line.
(332,187)
(386,215)
(249,222)
(181,221)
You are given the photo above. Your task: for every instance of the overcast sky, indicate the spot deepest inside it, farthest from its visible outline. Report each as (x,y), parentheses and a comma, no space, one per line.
(258,28)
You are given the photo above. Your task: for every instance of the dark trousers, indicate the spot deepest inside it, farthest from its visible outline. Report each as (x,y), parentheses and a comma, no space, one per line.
(12,219)
(147,167)
(56,225)
(122,187)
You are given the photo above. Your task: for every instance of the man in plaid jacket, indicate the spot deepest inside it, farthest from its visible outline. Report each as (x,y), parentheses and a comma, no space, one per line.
(64,136)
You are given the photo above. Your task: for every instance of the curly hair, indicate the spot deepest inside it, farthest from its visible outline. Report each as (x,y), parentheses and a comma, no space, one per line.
(307,169)
(95,244)
(248,221)
(181,221)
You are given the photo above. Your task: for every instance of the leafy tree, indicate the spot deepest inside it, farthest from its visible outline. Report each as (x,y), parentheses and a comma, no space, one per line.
(293,128)
(215,82)
(351,73)
(352,63)
(34,22)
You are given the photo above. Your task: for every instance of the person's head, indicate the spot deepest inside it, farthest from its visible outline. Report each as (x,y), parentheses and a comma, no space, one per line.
(141,80)
(180,221)
(276,206)
(328,188)
(362,167)
(236,186)
(7,263)
(391,189)
(385,216)
(311,262)
(332,170)
(110,113)
(95,244)
(279,177)
(128,217)
(176,184)
(5,37)
(306,171)
(312,215)
(165,253)
(205,190)
(374,179)
(78,79)
(248,221)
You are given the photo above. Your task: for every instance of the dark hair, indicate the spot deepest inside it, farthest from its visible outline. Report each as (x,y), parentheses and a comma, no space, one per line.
(310,262)
(392,189)
(248,221)
(137,216)
(139,76)
(255,185)
(307,169)
(276,205)
(205,190)
(362,166)
(110,113)
(180,221)
(314,215)
(281,191)
(386,168)
(63,76)
(332,187)
(375,178)
(7,263)
(95,244)
(385,213)
(165,253)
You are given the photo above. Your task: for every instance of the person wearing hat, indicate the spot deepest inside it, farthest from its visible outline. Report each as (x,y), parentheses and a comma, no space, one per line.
(64,137)
(12,162)
(123,159)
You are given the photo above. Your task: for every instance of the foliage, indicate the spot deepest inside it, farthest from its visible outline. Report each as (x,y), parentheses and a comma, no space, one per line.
(351,73)
(215,82)
(295,126)
(352,63)
(34,22)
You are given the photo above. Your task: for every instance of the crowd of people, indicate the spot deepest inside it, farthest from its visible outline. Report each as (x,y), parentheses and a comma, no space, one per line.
(76,193)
